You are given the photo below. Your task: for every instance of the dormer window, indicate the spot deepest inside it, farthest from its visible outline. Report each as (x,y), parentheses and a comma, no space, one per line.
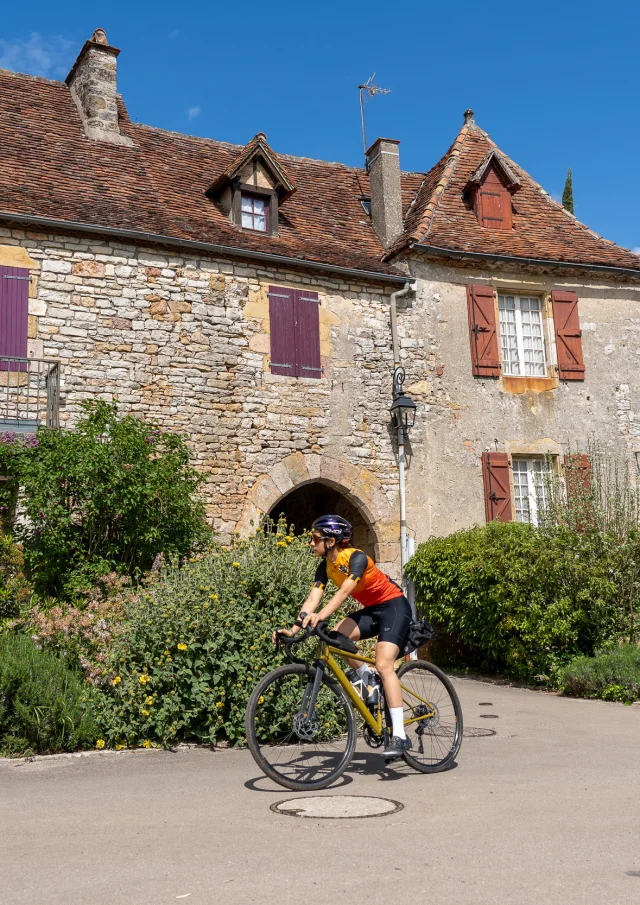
(490,189)
(252,188)
(254,212)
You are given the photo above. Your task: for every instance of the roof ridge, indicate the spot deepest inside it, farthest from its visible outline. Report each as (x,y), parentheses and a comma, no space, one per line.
(452,155)
(34,78)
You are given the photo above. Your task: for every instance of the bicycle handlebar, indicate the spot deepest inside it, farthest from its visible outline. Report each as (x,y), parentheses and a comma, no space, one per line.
(288,642)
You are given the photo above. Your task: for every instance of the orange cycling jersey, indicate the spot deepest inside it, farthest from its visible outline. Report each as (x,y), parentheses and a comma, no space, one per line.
(373,585)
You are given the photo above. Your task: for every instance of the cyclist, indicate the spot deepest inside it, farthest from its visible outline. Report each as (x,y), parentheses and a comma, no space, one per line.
(385,612)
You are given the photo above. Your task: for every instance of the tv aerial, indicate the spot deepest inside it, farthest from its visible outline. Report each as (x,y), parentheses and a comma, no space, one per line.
(370,90)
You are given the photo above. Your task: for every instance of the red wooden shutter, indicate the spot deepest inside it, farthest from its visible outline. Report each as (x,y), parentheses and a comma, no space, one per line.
(307,327)
(568,336)
(282,326)
(497,490)
(493,202)
(14,317)
(577,473)
(483,332)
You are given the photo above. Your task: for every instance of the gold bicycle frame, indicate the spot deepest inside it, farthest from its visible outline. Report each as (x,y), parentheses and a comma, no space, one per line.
(326,653)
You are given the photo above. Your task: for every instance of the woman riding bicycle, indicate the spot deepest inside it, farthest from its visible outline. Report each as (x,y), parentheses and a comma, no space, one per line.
(385,612)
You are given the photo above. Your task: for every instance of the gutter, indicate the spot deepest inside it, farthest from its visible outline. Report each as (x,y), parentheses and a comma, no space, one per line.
(515,259)
(176,242)
(409,286)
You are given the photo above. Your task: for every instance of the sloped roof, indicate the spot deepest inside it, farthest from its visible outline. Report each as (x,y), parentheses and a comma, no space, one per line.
(443,216)
(51,170)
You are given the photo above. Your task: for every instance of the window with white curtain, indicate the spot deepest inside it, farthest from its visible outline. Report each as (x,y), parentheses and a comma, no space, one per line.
(522,336)
(530,487)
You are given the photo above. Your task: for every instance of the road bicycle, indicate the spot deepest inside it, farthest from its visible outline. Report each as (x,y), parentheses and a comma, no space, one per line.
(301,722)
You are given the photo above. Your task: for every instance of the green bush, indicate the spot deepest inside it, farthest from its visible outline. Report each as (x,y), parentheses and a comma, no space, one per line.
(613,675)
(14,589)
(194,643)
(107,496)
(520,600)
(44,705)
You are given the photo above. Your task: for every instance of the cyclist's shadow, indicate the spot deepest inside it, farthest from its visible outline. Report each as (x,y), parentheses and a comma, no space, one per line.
(363,763)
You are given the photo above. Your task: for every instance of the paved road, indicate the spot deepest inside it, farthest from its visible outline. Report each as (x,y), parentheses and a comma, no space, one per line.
(545,811)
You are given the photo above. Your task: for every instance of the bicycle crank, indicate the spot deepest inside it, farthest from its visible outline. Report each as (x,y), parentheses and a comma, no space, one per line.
(370,737)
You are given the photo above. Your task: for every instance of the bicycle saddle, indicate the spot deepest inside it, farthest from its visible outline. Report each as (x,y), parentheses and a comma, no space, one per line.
(337,639)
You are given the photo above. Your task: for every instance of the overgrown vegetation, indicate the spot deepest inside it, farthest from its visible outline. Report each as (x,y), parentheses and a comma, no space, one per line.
(524,600)
(45,706)
(106,496)
(613,675)
(15,591)
(196,639)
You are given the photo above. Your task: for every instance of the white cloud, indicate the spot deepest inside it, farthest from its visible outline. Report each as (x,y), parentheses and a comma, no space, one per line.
(192,112)
(50,56)
(175,33)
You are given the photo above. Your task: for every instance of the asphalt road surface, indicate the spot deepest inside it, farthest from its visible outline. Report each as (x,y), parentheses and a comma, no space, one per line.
(545,811)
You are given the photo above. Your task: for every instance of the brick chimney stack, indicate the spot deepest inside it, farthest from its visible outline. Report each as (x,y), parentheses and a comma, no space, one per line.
(92,82)
(383,164)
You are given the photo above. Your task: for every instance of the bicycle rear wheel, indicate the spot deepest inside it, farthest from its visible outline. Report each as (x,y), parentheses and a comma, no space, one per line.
(296,748)
(435,739)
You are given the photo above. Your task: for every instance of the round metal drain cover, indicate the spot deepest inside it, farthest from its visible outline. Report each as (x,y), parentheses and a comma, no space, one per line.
(337,807)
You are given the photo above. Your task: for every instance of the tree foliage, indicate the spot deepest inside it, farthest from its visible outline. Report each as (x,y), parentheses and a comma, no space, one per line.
(106,496)
(567,193)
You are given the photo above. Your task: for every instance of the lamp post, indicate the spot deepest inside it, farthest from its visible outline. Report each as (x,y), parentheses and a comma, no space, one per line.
(403,413)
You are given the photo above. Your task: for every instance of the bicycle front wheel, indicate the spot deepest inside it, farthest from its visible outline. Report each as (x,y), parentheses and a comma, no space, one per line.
(432,716)
(298,747)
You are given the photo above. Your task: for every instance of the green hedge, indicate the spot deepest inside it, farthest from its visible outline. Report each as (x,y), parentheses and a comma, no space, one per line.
(44,705)
(516,599)
(613,675)
(194,643)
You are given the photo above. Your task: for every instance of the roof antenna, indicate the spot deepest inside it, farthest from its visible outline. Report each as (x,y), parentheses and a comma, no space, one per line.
(371,90)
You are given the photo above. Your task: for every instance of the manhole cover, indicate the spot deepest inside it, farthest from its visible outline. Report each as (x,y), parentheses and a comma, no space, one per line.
(485,704)
(489,716)
(337,807)
(476,732)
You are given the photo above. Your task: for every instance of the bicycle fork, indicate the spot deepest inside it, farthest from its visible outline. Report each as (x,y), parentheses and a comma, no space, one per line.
(304,717)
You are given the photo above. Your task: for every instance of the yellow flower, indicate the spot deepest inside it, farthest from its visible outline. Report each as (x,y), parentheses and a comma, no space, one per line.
(100,743)
(215,596)
(144,679)
(281,543)
(289,537)
(146,743)
(219,705)
(120,747)
(148,701)
(182,646)
(261,699)
(144,712)
(117,680)
(236,565)
(167,654)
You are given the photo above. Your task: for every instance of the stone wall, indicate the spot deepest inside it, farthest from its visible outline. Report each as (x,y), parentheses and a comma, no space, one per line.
(185,340)
(461,416)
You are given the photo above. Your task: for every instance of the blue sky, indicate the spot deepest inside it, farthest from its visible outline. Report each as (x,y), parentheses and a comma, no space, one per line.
(555,84)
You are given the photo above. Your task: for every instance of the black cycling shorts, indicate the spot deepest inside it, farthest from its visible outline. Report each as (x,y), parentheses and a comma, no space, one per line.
(389,621)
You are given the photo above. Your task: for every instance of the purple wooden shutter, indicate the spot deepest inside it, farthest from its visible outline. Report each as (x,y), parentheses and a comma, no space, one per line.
(14,317)
(282,326)
(307,325)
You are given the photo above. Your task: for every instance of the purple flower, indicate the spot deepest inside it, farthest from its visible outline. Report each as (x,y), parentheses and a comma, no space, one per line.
(7,437)
(32,441)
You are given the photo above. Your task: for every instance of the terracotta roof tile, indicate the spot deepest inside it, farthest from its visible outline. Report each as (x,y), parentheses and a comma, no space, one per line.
(50,169)
(443,217)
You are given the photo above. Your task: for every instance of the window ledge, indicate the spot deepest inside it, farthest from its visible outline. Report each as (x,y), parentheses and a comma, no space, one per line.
(519,385)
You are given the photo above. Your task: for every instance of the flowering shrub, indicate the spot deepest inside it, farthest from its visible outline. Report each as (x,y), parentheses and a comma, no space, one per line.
(197,639)
(612,675)
(107,496)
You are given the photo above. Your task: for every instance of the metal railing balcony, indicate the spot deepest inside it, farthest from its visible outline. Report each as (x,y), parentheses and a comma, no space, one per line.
(29,394)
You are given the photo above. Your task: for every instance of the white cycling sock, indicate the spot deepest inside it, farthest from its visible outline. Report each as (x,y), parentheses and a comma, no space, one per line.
(397,722)
(363,671)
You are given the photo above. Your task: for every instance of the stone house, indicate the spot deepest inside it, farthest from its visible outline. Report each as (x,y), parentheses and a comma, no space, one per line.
(259,302)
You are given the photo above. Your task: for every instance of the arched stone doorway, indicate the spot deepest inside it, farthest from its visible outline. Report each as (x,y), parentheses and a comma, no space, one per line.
(302,505)
(356,486)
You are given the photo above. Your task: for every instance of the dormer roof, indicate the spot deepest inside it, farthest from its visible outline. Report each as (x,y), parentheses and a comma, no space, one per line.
(498,161)
(257,149)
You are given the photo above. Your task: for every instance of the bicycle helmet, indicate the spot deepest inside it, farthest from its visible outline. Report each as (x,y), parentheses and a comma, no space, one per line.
(333,526)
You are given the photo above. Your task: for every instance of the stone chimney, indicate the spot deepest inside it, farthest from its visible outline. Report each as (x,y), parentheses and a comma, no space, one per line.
(92,82)
(383,164)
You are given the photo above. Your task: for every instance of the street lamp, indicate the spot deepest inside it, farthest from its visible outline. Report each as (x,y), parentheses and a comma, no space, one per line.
(403,413)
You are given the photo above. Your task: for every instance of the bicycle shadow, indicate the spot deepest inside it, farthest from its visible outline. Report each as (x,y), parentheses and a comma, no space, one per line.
(363,763)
